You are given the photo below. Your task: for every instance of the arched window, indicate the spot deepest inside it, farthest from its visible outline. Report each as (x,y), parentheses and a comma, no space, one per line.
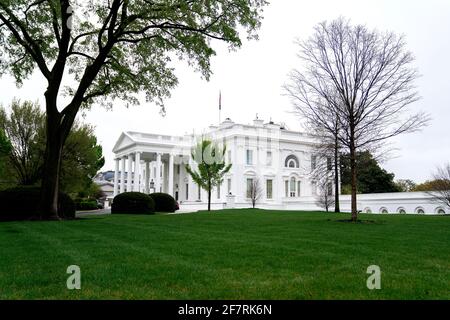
(401,210)
(420,210)
(440,211)
(291,162)
(384,211)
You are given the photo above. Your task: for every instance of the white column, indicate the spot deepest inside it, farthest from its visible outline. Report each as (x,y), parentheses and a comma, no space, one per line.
(170,182)
(137,171)
(122,176)
(158,173)
(147,177)
(129,174)
(116,177)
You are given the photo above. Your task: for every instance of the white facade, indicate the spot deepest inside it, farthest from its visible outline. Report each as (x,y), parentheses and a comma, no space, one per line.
(280,159)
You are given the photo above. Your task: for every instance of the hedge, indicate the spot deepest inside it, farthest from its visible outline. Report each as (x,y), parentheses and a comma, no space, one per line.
(133,203)
(22,203)
(164,202)
(86,204)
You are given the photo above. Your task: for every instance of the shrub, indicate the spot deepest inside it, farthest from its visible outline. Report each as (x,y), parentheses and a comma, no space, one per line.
(133,203)
(164,202)
(86,204)
(22,203)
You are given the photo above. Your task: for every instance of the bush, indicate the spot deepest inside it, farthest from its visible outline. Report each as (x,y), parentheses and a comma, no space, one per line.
(133,203)
(86,204)
(164,202)
(22,203)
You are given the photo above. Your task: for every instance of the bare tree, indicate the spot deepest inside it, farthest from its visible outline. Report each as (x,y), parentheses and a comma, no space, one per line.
(255,191)
(365,78)
(441,184)
(324,198)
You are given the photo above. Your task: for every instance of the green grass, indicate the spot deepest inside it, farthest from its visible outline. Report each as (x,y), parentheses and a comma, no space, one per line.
(231,254)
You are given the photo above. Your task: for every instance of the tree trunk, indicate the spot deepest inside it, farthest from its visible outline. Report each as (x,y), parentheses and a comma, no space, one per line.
(336,175)
(52,165)
(209,196)
(354,180)
(57,130)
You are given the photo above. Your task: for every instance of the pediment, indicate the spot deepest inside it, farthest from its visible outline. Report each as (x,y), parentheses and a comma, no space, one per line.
(124,141)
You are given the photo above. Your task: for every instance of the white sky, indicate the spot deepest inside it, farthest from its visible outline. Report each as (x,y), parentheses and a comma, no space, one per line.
(251,79)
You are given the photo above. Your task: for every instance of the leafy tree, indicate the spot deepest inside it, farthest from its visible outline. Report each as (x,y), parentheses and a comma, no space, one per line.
(25,128)
(210,159)
(405,185)
(104,50)
(371,177)
(441,186)
(82,157)
(429,185)
(5,149)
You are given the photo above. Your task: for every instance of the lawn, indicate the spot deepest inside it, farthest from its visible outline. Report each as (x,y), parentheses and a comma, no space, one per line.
(230,254)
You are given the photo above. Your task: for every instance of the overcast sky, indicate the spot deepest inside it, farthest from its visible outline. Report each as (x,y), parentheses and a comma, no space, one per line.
(251,79)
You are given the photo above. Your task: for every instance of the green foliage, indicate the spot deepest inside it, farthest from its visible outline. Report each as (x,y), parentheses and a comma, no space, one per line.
(163,202)
(86,204)
(371,178)
(25,128)
(5,149)
(133,41)
(133,203)
(430,185)
(22,203)
(81,159)
(211,167)
(405,185)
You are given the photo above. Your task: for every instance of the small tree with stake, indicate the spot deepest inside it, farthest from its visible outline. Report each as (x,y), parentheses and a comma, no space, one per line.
(210,165)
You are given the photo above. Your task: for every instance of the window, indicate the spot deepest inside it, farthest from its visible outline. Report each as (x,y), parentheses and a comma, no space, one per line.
(218,191)
(314,188)
(313,162)
(329,164)
(298,188)
(199,195)
(286,188)
(269,183)
(329,188)
(187,191)
(247,141)
(229,186)
(229,156)
(292,188)
(269,158)
(249,187)
(269,143)
(291,162)
(178,169)
(249,157)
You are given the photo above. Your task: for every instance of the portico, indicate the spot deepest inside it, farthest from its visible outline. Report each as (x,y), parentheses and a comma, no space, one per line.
(149,163)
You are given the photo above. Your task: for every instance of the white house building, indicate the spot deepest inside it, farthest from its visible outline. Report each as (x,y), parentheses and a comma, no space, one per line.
(280,159)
